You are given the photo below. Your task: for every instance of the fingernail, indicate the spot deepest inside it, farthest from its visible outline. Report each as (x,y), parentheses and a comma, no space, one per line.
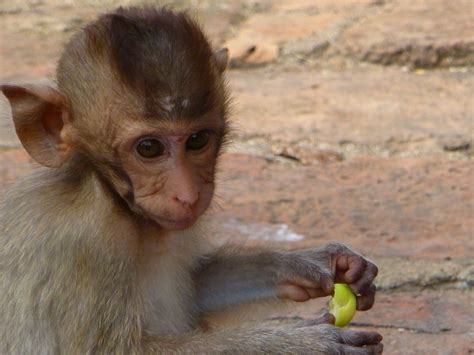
(329,318)
(328,287)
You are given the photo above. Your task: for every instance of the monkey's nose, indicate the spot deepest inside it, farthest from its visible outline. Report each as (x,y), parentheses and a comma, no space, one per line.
(183,186)
(187,198)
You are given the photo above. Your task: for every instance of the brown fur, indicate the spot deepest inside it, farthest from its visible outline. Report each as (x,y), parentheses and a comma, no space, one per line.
(94,254)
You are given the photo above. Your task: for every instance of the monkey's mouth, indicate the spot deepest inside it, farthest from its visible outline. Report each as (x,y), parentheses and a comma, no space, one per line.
(176,224)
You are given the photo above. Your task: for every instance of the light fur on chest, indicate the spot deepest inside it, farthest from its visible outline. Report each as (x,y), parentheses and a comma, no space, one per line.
(166,281)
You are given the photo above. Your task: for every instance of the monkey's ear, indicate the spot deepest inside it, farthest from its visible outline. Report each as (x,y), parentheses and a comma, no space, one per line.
(222,59)
(39,117)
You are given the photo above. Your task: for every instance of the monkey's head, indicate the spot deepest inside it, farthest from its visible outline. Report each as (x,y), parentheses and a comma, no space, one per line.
(141,99)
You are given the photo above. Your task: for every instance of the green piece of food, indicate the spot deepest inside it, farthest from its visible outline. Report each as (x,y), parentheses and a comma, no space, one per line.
(343,304)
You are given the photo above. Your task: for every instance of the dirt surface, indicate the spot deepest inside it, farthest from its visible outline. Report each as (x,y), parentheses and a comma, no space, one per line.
(353,121)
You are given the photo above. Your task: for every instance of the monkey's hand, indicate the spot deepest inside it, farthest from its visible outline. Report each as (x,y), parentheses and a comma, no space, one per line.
(327,339)
(312,273)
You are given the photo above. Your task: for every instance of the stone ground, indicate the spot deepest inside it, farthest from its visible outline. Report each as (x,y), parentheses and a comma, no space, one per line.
(353,122)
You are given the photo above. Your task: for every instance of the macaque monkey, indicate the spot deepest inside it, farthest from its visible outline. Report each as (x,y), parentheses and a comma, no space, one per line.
(102,248)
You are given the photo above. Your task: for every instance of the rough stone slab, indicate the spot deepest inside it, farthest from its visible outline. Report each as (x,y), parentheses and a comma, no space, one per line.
(427,33)
(399,110)
(276,25)
(413,275)
(383,207)
(423,312)
(260,37)
(399,342)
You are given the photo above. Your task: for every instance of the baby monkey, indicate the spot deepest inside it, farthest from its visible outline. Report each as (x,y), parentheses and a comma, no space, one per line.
(102,249)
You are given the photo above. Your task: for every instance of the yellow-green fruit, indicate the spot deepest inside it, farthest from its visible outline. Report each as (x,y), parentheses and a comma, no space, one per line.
(343,304)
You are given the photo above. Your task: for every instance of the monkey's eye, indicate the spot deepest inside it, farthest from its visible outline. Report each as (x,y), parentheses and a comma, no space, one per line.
(198,140)
(150,148)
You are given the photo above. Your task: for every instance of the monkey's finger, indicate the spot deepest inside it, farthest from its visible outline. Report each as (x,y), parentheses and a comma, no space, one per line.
(299,294)
(315,292)
(293,293)
(324,283)
(304,282)
(326,318)
(366,301)
(327,284)
(350,268)
(363,285)
(360,338)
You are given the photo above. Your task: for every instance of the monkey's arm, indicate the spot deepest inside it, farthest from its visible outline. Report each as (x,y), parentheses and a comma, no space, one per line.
(228,278)
(291,339)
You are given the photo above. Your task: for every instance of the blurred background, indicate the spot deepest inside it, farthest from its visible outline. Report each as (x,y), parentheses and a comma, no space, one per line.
(354,121)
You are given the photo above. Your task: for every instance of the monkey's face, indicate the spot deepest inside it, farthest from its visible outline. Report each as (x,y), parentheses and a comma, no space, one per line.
(170,171)
(141,98)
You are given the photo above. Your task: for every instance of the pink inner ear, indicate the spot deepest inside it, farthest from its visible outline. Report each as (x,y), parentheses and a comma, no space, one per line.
(52,121)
